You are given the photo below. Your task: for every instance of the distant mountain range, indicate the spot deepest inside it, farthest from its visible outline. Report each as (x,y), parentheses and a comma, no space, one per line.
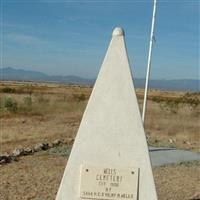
(11,74)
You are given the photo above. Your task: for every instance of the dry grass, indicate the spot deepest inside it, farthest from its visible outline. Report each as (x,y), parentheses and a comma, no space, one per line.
(175,117)
(55,112)
(34,177)
(182,127)
(177,182)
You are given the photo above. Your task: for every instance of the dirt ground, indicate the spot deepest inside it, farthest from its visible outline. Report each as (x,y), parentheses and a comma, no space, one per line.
(38,177)
(31,113)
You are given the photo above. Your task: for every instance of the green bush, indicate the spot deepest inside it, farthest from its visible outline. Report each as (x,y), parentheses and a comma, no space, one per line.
(10,104)
(8,90)
(174,104)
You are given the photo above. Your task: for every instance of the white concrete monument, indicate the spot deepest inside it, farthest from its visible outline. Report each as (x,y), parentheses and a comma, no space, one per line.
(110,158)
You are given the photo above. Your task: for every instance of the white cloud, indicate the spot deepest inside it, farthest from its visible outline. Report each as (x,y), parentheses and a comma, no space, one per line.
(25,39)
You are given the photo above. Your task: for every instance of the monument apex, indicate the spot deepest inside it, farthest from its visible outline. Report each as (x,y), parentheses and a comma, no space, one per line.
(118,31)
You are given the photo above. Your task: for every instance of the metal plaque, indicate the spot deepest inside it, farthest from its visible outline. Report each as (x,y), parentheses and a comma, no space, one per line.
(108,183)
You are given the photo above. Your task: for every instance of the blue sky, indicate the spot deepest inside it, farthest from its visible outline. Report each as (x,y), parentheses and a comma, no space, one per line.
(71,37)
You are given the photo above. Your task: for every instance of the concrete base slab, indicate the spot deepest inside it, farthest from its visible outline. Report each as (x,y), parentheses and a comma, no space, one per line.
(164,156)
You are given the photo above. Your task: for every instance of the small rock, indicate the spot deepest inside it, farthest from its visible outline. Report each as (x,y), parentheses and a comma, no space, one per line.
(14,158)
(57,142)
(5,158)
(171,141)
(18,152)
(28,151)
(45,146)
(38,147)
(188,143)
(41,146)
(50,145)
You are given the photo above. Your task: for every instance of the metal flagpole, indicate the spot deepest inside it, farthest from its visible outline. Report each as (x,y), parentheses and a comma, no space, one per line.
(149,62)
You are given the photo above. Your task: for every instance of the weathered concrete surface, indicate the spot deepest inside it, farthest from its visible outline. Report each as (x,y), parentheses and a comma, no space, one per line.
(163,156)
(111,132)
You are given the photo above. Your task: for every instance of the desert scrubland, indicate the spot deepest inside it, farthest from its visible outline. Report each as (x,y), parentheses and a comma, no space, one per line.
(32,113)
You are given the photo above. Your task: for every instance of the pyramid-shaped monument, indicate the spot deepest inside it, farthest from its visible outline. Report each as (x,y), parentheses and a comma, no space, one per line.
(110,158)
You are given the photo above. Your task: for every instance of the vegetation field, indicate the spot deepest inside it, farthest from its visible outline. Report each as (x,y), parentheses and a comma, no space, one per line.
(35,112)
(31,113)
